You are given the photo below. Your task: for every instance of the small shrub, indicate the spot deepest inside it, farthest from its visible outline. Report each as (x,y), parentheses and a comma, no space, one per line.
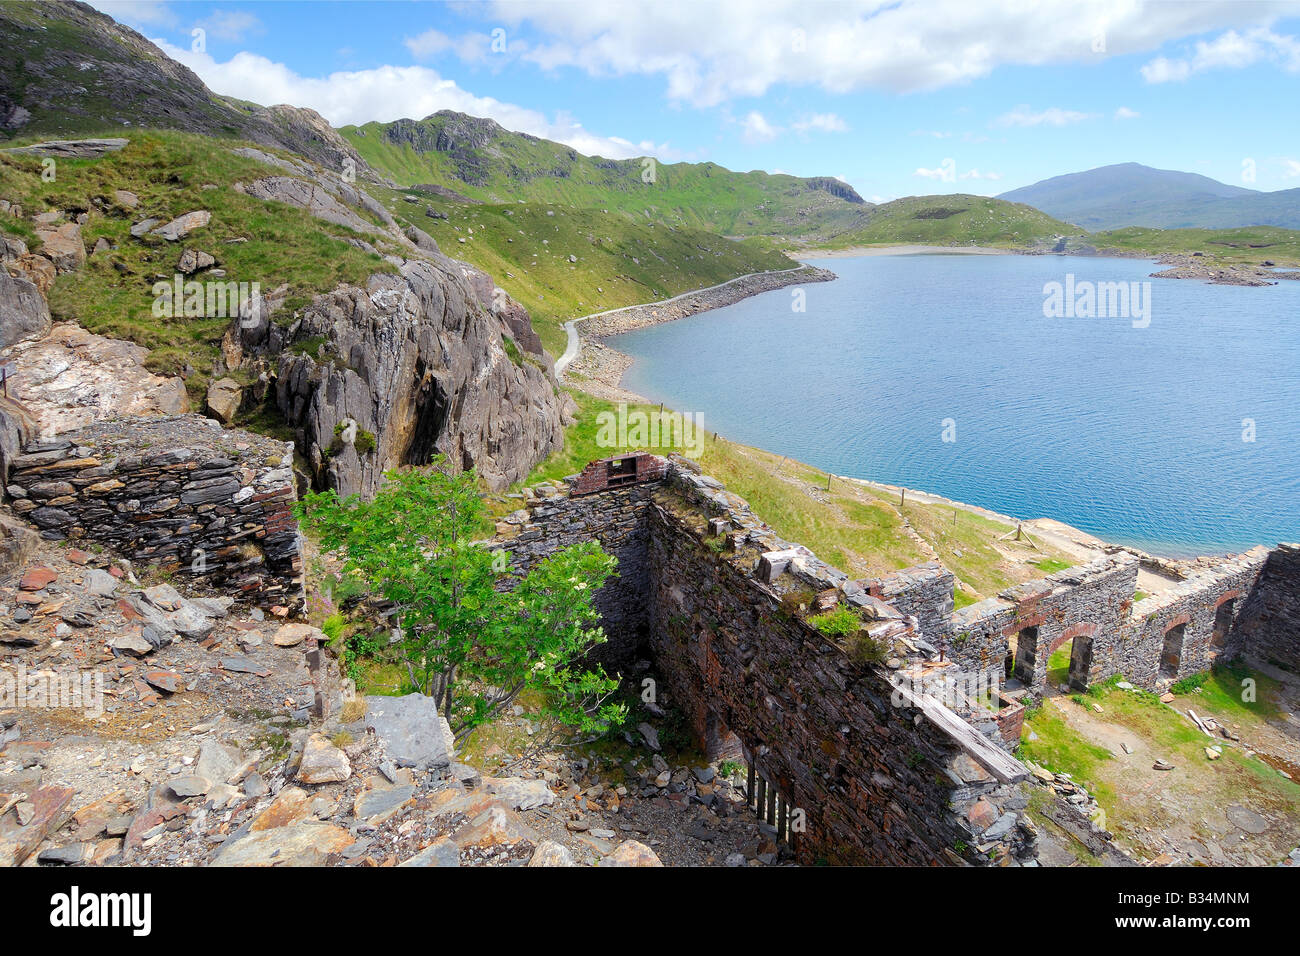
(333,626)
(865,649)
(840,622)
(1189,684)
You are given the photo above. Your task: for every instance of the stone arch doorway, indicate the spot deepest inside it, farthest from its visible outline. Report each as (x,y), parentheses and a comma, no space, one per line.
(1224,612)
(1171,654)
(1069,662)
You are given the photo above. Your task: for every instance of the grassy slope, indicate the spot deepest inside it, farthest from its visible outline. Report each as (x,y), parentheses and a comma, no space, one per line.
(1060,748)
(954,220)
(168,171)
(857,529)
(526,248)
(1247,246)
(697,195)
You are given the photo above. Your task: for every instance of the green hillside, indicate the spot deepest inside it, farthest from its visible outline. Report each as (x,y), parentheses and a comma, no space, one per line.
(527,247)
(482,161)
(958,219)
(174,173)
(1251,245)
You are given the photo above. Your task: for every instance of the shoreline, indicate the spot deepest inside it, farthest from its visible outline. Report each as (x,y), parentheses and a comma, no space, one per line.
(1177,265)
(901,249)
(598,367)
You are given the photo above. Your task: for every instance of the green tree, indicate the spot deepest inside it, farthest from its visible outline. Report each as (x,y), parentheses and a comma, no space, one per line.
(468,644)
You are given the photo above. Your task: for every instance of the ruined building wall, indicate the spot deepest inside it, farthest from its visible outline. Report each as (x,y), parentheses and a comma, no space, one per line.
(924,591)
(1268,619)
(615,518)
(1163,637)
(1182,630)
(178,493)
(877,781)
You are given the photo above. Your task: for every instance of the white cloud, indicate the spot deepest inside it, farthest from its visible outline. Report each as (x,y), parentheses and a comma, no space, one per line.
(387,93)
(821,123)
(946,172)
(1053,116)
(470,47)
(232,25)
(139,12)
(712,52)
(1229,51)
(1292,168)
(1124,113)
(427,43)
(756,129)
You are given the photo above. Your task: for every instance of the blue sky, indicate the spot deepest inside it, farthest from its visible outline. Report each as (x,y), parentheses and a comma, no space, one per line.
(897,98)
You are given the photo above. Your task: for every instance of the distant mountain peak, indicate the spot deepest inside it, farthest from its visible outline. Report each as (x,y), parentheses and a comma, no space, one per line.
(1132,194)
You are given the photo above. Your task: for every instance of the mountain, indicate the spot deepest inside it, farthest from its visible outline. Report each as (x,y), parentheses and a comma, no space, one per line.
(478,159)
(1130,194)
(956,219)
(66,68)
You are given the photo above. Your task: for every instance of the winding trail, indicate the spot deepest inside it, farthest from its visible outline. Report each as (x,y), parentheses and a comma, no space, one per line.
(574,345)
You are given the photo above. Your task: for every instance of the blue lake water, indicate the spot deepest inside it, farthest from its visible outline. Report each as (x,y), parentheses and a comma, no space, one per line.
(1132,434)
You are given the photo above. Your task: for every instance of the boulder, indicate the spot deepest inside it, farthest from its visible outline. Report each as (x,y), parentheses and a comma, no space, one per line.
(438,853)
(495,826)
(291,805)
(550,853)
(303,844)
(72,148)
(294,633)
(411,731)
(182,226)
(224,399)
(26,314)
(63,246)
(322,762)
(71,378)
(17,542)
(631,853)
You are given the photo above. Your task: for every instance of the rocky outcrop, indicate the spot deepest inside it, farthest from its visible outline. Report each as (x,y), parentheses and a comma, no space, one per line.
(65,67)
(71,378)
(25,312)
(71,148)
(311,196)
(416,363)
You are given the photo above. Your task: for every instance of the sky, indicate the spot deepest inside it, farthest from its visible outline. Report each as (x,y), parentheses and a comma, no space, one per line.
(896,98)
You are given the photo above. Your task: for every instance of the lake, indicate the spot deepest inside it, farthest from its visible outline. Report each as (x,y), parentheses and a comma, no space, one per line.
(1178,433)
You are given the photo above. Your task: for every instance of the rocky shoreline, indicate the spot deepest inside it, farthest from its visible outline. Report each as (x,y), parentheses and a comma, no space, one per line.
(1197,267)
(599,368)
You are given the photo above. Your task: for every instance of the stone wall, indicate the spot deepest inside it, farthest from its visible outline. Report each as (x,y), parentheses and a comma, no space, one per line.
(1093,606)
(878,780)
(877,774)
(1181,631)
(924,591)
(1268,620)
(180,494)
(552,520)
